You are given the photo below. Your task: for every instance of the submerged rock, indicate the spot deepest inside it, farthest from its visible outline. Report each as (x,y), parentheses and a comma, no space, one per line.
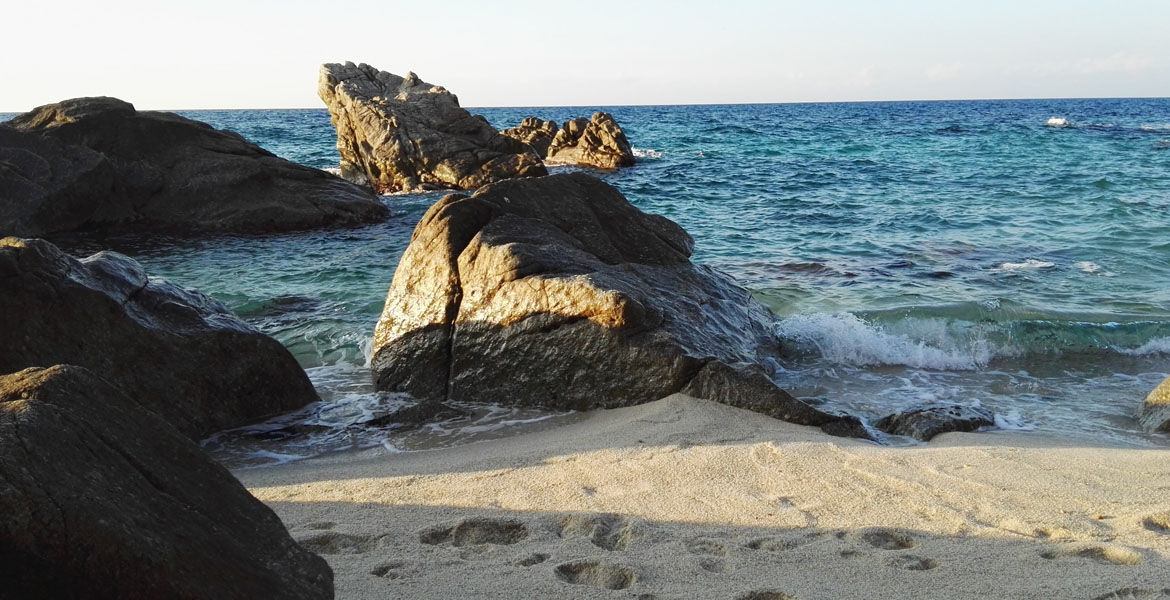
(598,142)
(104,500)
(404,134)
(558,292)
(179,353)
(923,424)
(1155,411)
(96,163)
(535,132)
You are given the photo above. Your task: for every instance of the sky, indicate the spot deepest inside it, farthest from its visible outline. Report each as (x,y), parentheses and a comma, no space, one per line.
(266,54)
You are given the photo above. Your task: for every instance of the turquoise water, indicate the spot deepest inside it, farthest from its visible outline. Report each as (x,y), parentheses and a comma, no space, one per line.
(913,252)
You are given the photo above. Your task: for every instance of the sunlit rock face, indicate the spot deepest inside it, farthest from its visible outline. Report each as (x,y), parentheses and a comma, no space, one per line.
(537,133)
(597,142)
(403,134)
(179,353)
(97,163)
(102,499)
(1155,411)
(558,292)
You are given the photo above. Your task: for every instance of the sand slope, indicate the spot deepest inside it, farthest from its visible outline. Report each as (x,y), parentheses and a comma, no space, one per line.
(684,498)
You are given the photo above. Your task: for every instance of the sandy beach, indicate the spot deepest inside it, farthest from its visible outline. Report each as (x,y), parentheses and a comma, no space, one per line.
(684,498)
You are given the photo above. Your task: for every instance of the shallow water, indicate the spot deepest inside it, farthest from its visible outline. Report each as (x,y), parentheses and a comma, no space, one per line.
(914,252)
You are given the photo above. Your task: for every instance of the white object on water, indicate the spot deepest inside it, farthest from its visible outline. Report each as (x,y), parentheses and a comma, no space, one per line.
(1031,263)
(1058,122)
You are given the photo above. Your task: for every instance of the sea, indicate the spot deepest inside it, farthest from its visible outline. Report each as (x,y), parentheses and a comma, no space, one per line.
(1012,255)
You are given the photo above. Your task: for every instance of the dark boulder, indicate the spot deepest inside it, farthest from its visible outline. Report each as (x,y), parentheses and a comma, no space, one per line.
(557,292)
(925,423)
(96,163)
(179,353)
(104,500)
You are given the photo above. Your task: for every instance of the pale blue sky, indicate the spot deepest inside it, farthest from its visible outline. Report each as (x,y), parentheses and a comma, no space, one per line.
(264,54)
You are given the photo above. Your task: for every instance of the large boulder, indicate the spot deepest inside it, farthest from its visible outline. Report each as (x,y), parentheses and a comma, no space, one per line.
(404,134)
(537,133)
(923,424)
(597,142)
(96,163)
(1154,414)
(558,292)
(179,353)
(104,500)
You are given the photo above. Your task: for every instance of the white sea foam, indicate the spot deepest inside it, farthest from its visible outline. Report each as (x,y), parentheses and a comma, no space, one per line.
(921,343)
(334,170)
(1031,263)
(1092,268)
(646,153)
(1154,346)
(1058,122)
(1155,127)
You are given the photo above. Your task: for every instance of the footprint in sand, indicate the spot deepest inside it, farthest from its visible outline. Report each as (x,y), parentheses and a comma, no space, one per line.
(608,532)
(1159,523)
(913,563)
(476,531)
(706,547)
(1131,593)
(532,559)
(765,595)
(392,570)
(888,539)
(1107,554)
(777,544)
(331,542)
(597,574)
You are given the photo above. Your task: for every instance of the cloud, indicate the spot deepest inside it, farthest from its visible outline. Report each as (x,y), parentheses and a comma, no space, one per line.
(1118,62)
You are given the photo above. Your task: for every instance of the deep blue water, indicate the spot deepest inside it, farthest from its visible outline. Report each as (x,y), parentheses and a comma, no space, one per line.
(914,252)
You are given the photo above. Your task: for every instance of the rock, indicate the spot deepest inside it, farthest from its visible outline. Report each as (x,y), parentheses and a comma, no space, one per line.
(597,142)
(925,423)
(557,292)
(104,500)
(404,134)
(96,163)
(536,133)
(50,186)
(179,353)
(1155,411)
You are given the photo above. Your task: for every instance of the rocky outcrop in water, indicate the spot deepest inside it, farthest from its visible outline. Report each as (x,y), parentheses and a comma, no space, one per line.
(404,134)
(96,163)
(1155,411)
(598,142)
(102,499)
(178,353)
(925,423)
(537,133)
(557,292)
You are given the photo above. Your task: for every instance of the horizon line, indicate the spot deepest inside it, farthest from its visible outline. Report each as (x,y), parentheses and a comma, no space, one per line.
(558,106)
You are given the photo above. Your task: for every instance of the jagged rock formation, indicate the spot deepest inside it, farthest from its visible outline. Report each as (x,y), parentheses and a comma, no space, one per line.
(1155,411)
(537,133)
(404,134)
(178,353)
(597,142)
(557,292)
(96,163)
(925,423)
(102,499)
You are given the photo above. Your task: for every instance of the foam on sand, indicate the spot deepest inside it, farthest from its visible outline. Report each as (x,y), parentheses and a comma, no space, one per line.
(684,498)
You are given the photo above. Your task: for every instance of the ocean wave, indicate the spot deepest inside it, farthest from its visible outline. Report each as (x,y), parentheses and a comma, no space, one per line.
(848,340)
(1031,263)
(1155,127)
(964,337)
(1058,122)
(646,153)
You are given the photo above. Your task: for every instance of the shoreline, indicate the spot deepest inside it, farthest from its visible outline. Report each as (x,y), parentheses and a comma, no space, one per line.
(687,498)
